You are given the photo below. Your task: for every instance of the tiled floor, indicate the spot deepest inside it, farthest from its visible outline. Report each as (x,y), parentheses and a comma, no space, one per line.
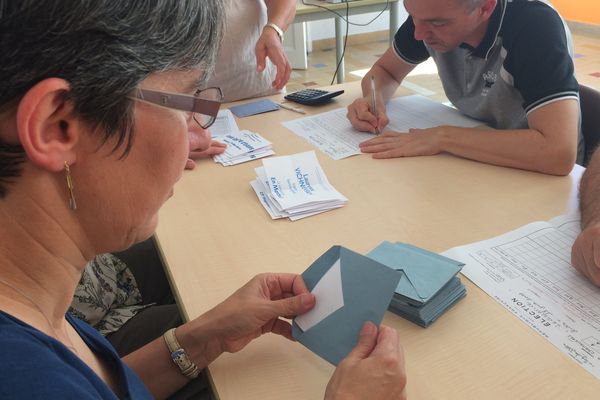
(359,58)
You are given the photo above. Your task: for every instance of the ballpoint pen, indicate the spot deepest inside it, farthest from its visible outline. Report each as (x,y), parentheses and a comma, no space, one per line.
(294,109)
(374,103)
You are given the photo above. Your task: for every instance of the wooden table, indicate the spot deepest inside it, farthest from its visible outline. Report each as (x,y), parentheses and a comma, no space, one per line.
(307,12)
(214,236)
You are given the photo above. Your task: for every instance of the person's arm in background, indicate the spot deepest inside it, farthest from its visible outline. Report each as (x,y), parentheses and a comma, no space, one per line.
(585,255)
(281,13)
(549,145)
(389,71)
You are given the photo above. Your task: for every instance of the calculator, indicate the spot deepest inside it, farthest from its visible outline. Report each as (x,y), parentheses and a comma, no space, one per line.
(311,97)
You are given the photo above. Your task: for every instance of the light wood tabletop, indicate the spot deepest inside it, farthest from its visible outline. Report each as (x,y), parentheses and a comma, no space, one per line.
(214,236)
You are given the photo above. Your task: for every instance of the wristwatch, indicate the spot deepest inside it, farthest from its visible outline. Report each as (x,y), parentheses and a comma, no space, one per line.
(179,357)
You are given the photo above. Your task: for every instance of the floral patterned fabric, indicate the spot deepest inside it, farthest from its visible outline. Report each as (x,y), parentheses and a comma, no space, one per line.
(107,295)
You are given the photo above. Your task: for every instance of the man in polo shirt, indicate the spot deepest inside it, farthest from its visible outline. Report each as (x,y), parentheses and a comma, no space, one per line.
(506,63)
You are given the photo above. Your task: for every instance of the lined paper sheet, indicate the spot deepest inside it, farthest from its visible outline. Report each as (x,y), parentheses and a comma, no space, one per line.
(528,271)
(332,133)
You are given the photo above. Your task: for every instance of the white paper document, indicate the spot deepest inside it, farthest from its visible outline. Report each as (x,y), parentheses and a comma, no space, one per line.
(243,146)
(332,133)
(329,295)
(224,124)
(295,187)
(528,271)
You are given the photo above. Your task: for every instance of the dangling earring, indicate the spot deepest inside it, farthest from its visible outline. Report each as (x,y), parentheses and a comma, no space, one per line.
(72,203)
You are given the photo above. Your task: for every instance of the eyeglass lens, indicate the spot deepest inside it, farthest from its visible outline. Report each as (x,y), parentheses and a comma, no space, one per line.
(213,94)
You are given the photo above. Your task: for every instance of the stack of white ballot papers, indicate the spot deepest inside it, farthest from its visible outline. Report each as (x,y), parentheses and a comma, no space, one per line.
(295,187)
(243,146)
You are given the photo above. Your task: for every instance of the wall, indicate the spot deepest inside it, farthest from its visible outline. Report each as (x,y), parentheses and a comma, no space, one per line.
(325,29)
(586,11)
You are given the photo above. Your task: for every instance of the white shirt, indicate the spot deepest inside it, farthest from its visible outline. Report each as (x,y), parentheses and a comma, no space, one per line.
(235,71)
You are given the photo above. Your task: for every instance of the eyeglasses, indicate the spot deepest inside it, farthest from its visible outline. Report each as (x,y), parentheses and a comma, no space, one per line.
(203,106)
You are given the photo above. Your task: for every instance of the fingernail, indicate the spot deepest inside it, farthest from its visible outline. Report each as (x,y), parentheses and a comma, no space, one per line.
(306,299)
(368,328)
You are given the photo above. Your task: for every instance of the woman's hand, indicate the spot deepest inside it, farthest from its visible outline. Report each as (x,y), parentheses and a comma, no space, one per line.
(374,369)
(257,307)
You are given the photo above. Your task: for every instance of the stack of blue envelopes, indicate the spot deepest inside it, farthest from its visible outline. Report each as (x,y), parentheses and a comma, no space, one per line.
(428,286)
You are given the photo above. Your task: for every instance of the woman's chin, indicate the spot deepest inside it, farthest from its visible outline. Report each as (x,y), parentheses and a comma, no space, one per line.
(146,231)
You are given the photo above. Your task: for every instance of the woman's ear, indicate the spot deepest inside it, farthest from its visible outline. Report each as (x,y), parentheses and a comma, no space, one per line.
(47,127)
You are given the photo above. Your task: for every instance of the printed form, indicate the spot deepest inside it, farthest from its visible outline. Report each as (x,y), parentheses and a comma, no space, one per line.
(529,272)
(332,133)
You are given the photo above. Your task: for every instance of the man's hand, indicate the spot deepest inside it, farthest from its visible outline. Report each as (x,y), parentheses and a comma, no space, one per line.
(362,118)
(585,254)
(417,142)
(269,45)
(374,369)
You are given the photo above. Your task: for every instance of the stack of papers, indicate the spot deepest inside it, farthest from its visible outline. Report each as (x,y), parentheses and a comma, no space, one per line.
(429,285)
(224,124)
(332,133)
(242,146)
(295,187)
(350,289)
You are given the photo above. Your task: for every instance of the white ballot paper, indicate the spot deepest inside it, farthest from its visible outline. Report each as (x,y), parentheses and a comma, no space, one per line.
(224,124)
(331,298)
(295,187)
(332,133)
(529,272)
(243,146)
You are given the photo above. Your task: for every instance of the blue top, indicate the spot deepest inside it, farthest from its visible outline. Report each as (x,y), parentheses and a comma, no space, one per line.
(36,366)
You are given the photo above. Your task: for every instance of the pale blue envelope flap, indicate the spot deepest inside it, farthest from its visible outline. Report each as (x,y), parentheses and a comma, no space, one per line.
(368,288)
(425,273)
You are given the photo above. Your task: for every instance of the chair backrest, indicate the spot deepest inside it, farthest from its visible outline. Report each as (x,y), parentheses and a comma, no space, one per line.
(589,101)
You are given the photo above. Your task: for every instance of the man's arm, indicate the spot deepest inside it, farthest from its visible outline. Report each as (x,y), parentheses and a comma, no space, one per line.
(389,72)
(281,13)
(549,145)
(585,255)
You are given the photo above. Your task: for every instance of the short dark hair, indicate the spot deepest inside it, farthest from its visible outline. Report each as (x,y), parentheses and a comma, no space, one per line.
(472,4)
(104,49)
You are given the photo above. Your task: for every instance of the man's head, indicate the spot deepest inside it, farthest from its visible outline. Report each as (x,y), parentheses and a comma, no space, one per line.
(444,25)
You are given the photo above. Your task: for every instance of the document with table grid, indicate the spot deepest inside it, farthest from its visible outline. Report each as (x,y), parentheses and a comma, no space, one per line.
(529,272)
(332,133)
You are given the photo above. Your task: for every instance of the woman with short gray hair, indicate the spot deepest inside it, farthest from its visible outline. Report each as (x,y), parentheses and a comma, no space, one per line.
(98,99)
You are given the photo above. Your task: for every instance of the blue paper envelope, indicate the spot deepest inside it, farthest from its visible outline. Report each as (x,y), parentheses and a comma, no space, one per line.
(423,273)
(367,288)
(253,108)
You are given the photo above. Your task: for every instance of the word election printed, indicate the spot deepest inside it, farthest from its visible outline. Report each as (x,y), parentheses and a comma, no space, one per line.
(529,272)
